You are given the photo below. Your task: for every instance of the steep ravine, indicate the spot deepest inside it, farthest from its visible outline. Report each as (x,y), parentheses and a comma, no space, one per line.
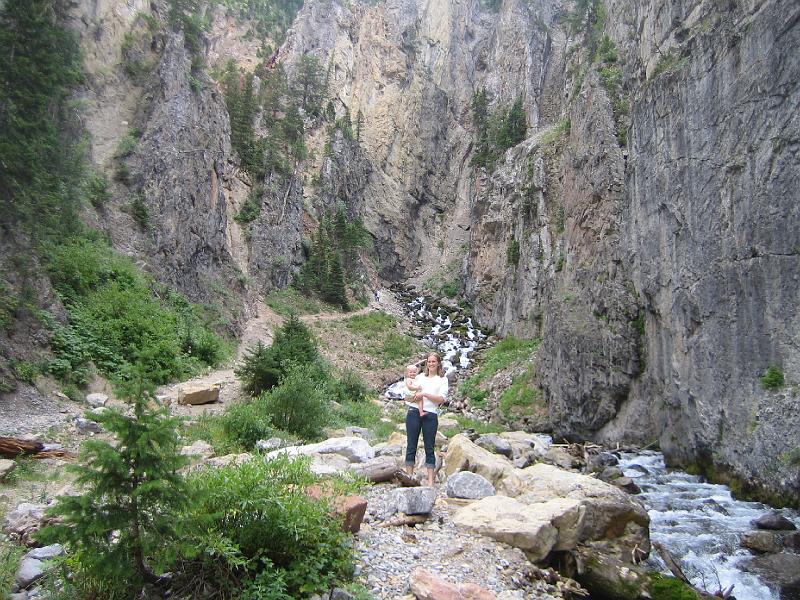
(661,273)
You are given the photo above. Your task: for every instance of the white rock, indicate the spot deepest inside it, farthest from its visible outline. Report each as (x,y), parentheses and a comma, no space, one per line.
(46,552)
(25,517)
(413,501)
(30,569)
(96,400)
(199,448)
(86,426)
(353,448)
(6,467)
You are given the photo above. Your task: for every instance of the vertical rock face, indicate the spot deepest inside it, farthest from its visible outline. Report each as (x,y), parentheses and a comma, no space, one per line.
(711,230)
(183,163)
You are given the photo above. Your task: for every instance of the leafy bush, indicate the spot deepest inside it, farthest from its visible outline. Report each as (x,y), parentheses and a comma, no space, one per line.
(263,366)
(114,316)
(118,527)
(773,379)
(300,404)
(245,423)
(349,387)
(97,189)
(283,545)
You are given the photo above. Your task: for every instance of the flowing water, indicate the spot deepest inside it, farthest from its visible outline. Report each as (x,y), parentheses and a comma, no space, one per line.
(449,332)
(700,524)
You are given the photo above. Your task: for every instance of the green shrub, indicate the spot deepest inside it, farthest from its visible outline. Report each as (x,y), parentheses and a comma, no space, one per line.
(251,207)
(773,379)
(26,371)
(512,252)
(97,189)
(244,423)
(8,306)
(127,144)
(282,545)
(139,211)
(300,404)
(263,367)
(114,316)
(349,387)
(10,557)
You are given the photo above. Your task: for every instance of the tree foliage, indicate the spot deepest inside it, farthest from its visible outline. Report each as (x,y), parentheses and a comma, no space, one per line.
(495,132)
(264,366)
(133,491)
(333,257)
(40,167)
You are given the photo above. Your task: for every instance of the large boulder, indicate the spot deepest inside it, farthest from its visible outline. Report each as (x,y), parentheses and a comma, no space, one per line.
(494,443)
(25,519)
(606,576)
(530,445)
(533,528)
(427,586)
(464,455)
(198,394)
(329,464)
(607,512)
(96,400)
(466,484)
(774,521)
(355,449)
(199,449)
(762,541)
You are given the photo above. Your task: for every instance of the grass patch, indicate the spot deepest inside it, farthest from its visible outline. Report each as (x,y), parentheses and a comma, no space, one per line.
(480,427)
(521,398)
(290,301)
(28,469)
(382,339)
(663,587)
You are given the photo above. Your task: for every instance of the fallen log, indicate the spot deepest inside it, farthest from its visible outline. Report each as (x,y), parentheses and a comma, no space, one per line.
(11,447)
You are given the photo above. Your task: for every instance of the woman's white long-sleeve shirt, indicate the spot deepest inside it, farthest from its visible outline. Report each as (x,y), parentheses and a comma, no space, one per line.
(436,386)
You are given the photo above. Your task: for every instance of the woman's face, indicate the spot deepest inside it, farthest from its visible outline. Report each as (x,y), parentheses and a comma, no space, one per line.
(433,364)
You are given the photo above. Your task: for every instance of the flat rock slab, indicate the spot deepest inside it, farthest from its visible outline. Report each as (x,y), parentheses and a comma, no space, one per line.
(774,522)
(355,449)
(198,395)
(532,528)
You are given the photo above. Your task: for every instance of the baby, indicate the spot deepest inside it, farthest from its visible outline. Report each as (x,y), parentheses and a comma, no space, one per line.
(411,373)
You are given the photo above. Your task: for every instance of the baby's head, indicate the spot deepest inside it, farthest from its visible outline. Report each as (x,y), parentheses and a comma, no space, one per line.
(411,371)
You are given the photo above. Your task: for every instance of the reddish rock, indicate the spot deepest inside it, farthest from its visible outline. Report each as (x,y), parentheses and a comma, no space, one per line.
(427,586)
(350,508)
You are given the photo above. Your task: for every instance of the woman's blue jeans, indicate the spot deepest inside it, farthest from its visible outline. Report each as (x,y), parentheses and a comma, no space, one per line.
(428,425)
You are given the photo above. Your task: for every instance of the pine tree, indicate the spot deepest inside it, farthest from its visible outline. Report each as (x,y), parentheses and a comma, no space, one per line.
(515,125)
(133,490)
(310,84)
(335,290)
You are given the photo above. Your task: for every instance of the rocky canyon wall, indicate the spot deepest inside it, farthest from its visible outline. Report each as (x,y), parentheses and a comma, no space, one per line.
(646,228)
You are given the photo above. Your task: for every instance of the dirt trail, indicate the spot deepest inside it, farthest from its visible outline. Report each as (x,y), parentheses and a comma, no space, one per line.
(258,329)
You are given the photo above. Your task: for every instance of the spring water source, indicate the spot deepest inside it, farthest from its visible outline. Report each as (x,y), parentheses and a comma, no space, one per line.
(450,333)
(700,524)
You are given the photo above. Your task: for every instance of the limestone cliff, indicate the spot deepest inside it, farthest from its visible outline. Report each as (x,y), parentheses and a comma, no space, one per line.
(636,229)
(646,228)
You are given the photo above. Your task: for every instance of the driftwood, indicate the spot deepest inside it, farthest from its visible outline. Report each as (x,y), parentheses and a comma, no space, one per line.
(403,519)
(378,470)
(11,447)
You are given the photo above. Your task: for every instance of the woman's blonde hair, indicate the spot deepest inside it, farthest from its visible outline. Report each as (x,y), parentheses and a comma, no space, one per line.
(439,368)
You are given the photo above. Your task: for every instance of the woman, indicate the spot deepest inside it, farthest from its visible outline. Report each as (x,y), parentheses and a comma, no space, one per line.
(433,391)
